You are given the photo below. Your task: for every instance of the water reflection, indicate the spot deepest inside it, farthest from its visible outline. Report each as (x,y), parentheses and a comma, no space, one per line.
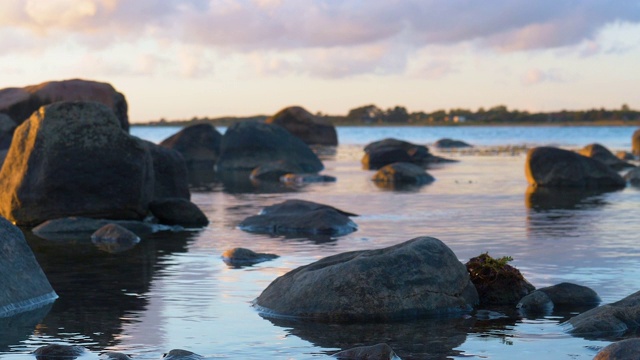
(540,198)
(240,182)
(17,328)
(98,290)
(422,339)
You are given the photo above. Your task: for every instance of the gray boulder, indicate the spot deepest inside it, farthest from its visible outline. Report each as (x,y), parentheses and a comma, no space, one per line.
(239,257)
(300,217)
(564,295)
(553,167)
(199,145)
(169,172)
(601,153)
(611,320)
(417,278)
(247,145)
(25,286)
(20,103)
(627,349)
(114,238)
(311,129)
(373,352)
(7,127)
(446,143)
(178,211)
(388,151)
(74,159)
(402,173)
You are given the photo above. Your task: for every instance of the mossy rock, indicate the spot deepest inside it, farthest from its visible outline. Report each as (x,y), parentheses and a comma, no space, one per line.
(497,282)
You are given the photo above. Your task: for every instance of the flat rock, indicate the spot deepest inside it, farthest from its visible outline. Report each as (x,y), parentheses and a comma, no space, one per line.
(418,278)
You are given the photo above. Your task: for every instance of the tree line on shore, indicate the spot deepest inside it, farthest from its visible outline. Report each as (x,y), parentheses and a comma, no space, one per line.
(399,115)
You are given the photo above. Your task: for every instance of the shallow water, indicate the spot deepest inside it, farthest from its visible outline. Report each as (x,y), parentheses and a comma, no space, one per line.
(174,291)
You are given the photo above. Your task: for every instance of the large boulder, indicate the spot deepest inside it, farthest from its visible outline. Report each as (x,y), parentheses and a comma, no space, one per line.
(169,172)
(635,143)
(20,103)
(199,145)
(247,145)
(300,217)
(311,129)
(611,320)
(417,278)
(74,159)
(621,350)
(388,151)
(24,284)
(601,153)
(553,167)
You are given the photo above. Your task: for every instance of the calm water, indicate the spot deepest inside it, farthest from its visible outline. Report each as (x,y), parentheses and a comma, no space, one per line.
(174,291)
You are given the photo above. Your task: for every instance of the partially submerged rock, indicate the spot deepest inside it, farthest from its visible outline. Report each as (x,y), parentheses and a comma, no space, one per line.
(238,257)
(388,151)
(199,145)
(633,176)
(25,286)
(418,278)
(627,349)
(374,352)
(610,320)
(447,143)
(74,159)
(497,282)
(58,352)
(178,211)
(564,295)
(553,167)
(300,217)
(247,145)
(601,153)
(179,354)
(114,355)
(403,173)
(77,227)
(306,178)
(114,238)
(311,129)
(274,170)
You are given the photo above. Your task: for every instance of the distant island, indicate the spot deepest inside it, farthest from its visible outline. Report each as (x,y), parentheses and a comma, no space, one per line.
(371,115)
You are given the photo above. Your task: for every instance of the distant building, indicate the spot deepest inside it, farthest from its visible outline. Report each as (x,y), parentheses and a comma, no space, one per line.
(459,119)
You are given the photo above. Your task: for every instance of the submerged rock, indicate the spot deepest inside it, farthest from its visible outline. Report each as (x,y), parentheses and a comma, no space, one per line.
(76,227)
(58,352)
(608,321)
(373,352)
(25,286)
(74,159)
(179,354)
(564,295)
(114,238)
(311,129)
(553,167)
(244,257)
(300,217)
(601,153)
(497,282)
(627,349)
(418,278)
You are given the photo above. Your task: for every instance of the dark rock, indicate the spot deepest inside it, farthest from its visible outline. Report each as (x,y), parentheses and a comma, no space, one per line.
(601,153)
(7,127)
(373,352)
(608,321)
(114,238)
(247,145)
(450,144)
(625,155)
(306,178)
(563,295)
(388,151)
(244,257)
(78,227)
(73,159)
(58,352)
(635,143)
(300,217)
(199,145)
(273,171)
(179,354)
(178,211)
(311,129)
(170,173)
(633,176)
(25,286)
(20,103)
(497,282)
(418,278)
(403,173)
(113,355)
(553,167)
(627,349)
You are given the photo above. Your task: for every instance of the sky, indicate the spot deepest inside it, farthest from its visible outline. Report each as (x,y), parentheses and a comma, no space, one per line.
(178,59)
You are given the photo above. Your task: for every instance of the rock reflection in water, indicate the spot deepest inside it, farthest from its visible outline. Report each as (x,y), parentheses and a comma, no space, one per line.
(18,328)
(420,339)
(540,198)
(99,290)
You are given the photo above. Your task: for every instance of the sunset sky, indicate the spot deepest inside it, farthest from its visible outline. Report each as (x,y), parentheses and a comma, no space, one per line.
(178,59)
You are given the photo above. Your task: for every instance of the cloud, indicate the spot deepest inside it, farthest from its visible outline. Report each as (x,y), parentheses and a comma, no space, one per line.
(537,76)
